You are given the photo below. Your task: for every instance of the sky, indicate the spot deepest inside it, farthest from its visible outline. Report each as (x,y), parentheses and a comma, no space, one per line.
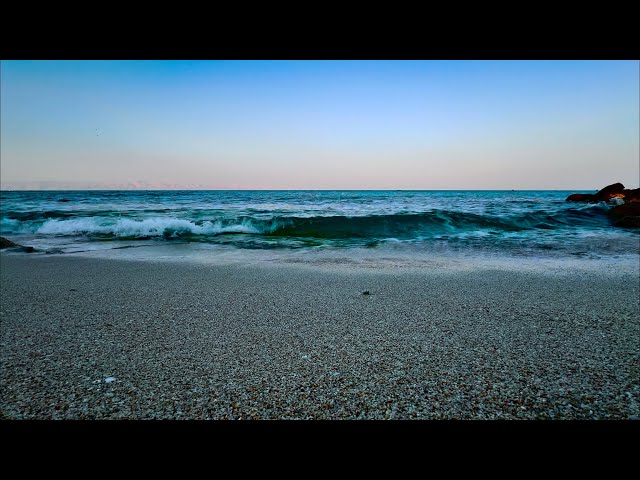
(319,124)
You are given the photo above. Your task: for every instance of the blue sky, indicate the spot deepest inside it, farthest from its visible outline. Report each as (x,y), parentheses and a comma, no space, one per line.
(320,124)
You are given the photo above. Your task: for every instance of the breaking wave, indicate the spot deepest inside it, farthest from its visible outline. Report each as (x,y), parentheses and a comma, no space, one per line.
(125,227)
(399,226)
(517,222)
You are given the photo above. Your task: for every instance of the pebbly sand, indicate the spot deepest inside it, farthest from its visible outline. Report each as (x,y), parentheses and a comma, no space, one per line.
(97,338)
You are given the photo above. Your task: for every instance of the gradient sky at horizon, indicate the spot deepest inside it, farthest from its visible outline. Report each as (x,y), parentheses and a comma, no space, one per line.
(320,124)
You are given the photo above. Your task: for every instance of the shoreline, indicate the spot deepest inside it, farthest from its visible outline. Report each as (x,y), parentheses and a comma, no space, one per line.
(88,338)
(381,260)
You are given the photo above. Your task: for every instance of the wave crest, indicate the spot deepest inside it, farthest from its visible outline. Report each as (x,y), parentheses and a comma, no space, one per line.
(401,226)
(150,227)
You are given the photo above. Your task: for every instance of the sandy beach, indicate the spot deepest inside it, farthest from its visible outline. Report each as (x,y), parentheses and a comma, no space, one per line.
(95,338)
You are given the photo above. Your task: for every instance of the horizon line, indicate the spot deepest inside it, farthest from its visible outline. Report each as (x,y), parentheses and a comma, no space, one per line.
(294,189)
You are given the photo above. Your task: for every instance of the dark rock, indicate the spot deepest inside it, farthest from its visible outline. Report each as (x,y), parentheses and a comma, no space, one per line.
(5,243)
(581,197)
(628,222)
(631,195)
(627,215)
(615,190)
(628,209)
(608,192)
(366,292)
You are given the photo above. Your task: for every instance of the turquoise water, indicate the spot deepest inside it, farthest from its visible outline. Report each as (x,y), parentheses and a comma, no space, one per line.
(539,222)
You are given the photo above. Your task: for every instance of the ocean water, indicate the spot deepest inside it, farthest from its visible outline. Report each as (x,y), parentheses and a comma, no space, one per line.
(503,222)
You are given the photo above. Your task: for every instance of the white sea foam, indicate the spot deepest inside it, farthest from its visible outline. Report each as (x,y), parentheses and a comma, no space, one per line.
(125,227)
(73,226)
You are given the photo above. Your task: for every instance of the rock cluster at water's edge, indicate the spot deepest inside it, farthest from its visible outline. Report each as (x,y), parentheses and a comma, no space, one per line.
(626,213)
(6,243)
(609,192)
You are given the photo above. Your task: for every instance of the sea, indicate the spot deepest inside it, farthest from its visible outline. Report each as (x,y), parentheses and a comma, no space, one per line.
(430,223)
